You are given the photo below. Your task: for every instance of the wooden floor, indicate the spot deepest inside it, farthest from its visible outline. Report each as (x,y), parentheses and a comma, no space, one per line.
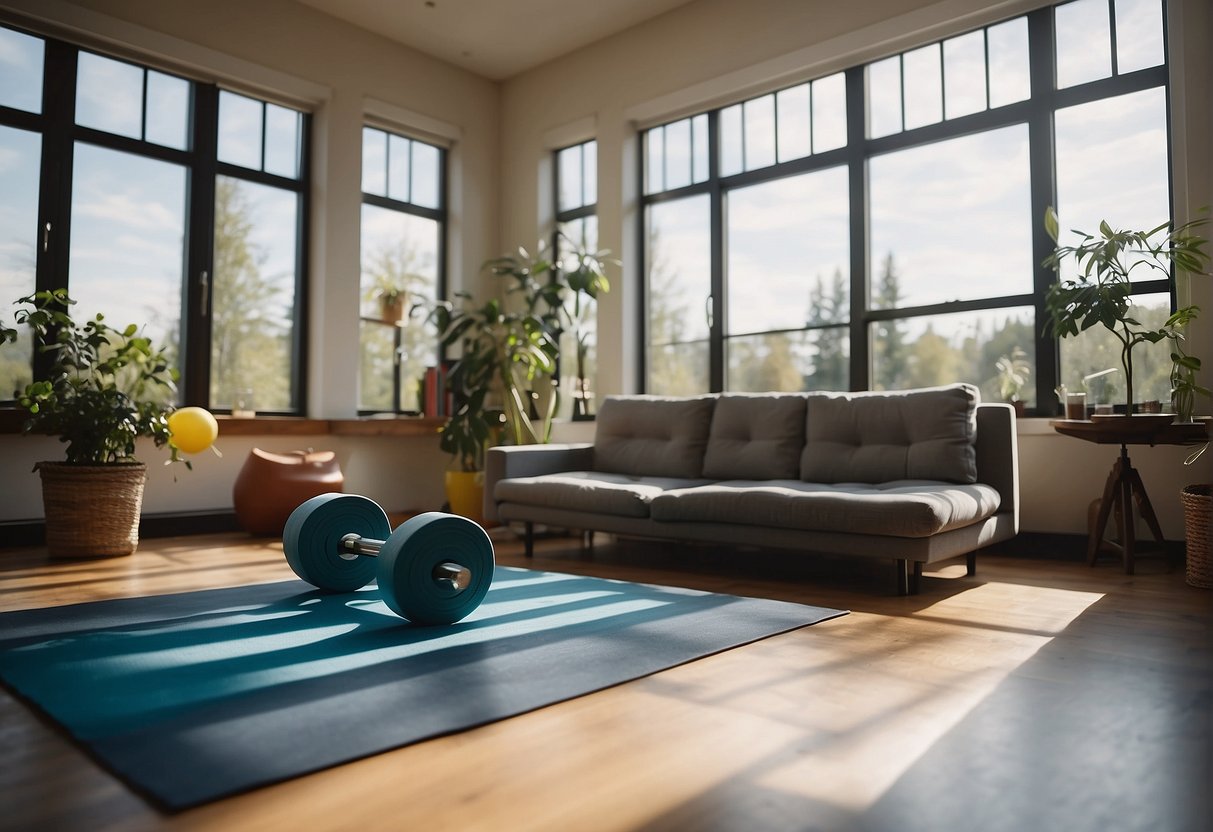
(1037,695)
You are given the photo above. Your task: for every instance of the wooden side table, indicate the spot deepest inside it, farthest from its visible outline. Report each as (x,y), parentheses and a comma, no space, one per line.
(1124,485)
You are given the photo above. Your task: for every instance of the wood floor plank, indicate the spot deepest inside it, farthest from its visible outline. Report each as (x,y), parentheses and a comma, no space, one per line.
(1039,694)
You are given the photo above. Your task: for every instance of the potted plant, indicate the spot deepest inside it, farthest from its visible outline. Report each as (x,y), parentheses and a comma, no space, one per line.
(1013,372)
(105,388)
(501,352)
(1100,294)
(585,273)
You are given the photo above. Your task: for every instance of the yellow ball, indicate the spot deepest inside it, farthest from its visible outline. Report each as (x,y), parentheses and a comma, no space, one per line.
(193,429)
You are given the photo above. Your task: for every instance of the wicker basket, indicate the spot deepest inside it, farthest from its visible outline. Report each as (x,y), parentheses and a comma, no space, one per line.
(1198,516)
(92,511)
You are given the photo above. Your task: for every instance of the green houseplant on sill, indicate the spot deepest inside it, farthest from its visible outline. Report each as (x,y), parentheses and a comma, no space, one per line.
(1101,295)
(105,388)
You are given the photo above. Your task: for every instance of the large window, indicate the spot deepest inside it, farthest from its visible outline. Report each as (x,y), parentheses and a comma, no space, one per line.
(403,229)
(576,184)
(882,227)
(159,201)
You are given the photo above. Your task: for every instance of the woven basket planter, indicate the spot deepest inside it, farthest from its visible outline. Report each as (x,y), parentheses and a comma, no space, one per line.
(1198,517)
(92,511)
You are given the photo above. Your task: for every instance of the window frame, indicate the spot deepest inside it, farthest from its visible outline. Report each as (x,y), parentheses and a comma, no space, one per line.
(59,133)
(1037,112)
(583,211)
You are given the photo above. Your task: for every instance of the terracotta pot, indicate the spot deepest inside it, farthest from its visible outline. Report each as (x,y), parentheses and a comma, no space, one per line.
(92,511)
(271,485)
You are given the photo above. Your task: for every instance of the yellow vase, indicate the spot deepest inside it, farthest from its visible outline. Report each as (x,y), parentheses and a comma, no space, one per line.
(465,493)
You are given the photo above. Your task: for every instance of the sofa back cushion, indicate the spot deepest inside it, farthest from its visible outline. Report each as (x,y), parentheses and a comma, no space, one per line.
(652,436)
(756,437)
(927,434)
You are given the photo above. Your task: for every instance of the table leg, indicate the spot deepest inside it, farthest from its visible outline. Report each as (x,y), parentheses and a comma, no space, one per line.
(1144,505)
(1111,495)
(1127,533)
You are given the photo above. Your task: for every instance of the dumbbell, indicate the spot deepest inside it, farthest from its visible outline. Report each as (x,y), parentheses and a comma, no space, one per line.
(434,569)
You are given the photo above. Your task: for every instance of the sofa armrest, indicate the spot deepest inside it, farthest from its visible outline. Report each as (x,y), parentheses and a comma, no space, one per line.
(998,454)
(509,461)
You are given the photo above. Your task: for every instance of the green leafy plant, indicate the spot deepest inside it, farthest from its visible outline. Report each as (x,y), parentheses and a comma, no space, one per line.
(1013,373)
(105,387)
(506,350)
(1100,294)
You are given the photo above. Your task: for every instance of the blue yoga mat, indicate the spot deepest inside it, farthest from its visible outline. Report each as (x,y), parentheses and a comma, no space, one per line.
(193,697)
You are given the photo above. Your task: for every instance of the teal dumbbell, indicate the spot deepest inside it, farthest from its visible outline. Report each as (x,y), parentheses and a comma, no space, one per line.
(435,568)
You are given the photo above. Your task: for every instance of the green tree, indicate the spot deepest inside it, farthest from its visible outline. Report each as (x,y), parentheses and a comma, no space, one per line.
(890,358)
(250,339)
(932,361)
(831,365)
(676,368)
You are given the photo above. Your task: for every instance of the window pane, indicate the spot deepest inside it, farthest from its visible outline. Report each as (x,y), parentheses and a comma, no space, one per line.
(281,141)
(786,239)
(400,254)
(239,131)
(923,87)
(1094,182)
(942,349)
(168,110)
(884,97)
(374,161)
(678,260)
(20,155)
(678,154)
(128,227)
(654,160)
(568,171)
(377,366)
(253,297)
(952,220)
(589,172)
(109,95)
(1010,80)
(764,363)
(1084,42)
(1098,349)
(964,73)
(1138,34)
(794,129)
(398,157)
(760,132)
(21,59)
(425,175)
(699,140)
(829,113)
(731,141)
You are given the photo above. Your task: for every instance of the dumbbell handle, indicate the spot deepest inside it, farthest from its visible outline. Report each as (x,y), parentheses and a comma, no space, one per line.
(452,575)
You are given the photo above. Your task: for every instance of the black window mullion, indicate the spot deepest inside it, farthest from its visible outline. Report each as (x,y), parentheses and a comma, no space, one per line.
(1042,172)
(1112,36)
(200,248)
(53,241)
(300,329)
(716,297)
(857,187)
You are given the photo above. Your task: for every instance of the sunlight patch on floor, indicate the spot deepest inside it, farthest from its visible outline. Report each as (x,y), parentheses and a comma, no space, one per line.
(857,746)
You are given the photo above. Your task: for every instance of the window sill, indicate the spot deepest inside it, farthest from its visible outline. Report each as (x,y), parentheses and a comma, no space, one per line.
(11,420)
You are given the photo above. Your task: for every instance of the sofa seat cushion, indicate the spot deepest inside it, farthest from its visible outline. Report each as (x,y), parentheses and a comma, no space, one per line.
(594,492)
(902,508)
(755,437)
(926,434)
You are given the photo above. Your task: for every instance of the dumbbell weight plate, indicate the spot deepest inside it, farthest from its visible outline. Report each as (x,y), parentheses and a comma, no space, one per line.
(312,540)
(408,558)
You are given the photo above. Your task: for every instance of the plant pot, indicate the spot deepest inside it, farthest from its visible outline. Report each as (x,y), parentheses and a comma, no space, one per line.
(1198,516)
(391,310)
(465,494)
(92,511)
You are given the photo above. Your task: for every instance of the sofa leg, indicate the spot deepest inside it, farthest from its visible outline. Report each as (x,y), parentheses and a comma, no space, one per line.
(971,564)
(916,577)
(529,539)
(901,572)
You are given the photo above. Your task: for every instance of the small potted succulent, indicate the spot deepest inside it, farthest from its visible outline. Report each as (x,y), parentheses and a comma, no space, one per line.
(104,389)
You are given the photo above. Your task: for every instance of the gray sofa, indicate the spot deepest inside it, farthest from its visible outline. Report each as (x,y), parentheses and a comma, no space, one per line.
(914,476)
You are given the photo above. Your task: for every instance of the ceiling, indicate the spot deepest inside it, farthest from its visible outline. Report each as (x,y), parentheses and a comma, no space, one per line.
(495,38)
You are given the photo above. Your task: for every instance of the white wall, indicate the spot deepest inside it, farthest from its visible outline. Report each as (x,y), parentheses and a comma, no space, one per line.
(714,51)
